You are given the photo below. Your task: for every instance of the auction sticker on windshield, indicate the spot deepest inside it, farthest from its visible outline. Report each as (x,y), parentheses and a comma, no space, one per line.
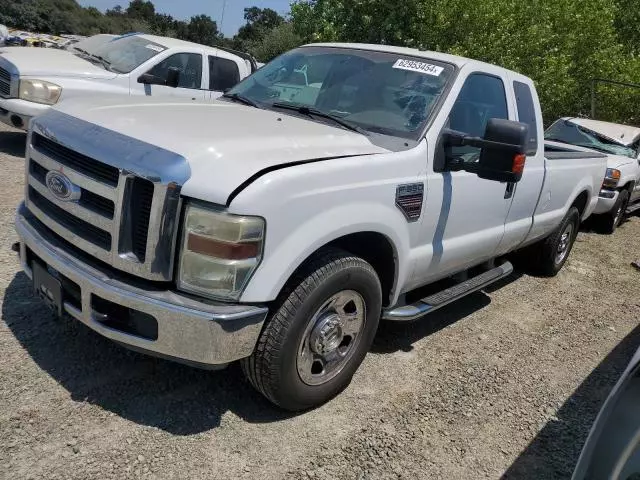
(155,48)
(419,67)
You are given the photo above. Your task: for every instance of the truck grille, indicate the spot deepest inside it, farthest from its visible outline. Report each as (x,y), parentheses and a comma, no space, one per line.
(88,199)
(83,229)
(78,162)
(113,218)
(5,83)
(141,213)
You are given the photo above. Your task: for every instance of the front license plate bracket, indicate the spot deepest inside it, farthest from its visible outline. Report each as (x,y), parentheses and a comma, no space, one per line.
(48,288)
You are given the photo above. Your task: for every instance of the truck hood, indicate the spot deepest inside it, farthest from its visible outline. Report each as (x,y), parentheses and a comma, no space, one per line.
(225,144)
(619,161)
(624,135)
(48,62)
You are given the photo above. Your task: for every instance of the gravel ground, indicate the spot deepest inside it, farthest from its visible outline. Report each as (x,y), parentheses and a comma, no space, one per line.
(503,383)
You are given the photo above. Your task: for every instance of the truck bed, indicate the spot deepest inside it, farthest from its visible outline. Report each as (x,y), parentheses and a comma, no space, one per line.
(569,172)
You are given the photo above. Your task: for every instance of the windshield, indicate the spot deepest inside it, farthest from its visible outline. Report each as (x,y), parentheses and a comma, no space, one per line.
(89,45)
(380,92)
(127,53)
(568,132)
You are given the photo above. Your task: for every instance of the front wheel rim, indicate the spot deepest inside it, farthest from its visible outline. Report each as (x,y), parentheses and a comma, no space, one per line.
(618,218)
(331,337)
(564,244)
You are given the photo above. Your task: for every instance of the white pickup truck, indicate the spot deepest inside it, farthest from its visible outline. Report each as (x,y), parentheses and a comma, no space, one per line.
(34,79)
(621,143)
(338,185)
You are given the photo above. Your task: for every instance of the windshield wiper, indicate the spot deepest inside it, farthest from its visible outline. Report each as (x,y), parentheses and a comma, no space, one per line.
(106,63)
(96,59)
(597,148)
(311,111)
(241,99)
(590,145)
(559,140)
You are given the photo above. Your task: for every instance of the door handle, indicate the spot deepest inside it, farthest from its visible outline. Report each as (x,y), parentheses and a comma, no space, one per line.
(511,187)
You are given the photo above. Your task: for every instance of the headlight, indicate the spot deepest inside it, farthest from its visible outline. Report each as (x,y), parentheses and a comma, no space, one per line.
(220,252)
(611,178)
(39,91)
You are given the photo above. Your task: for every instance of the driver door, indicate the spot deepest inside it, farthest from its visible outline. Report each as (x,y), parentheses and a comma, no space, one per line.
(464,221)
(190,84)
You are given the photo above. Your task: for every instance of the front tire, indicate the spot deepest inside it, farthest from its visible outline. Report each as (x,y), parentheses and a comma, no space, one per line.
(609,222)
(318,333)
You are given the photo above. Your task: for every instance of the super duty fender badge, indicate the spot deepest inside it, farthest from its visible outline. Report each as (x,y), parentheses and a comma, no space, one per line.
(409,199)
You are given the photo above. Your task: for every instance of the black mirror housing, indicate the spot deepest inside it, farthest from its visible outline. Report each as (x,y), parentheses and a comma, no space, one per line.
(172,80)
(502,150)
(503,155)
(148,79)
(173,77)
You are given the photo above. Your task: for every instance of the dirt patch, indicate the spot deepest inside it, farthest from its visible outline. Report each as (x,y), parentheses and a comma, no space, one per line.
(505,382)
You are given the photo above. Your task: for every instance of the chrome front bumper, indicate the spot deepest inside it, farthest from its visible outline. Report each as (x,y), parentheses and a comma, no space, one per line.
(606,201)
(187,330)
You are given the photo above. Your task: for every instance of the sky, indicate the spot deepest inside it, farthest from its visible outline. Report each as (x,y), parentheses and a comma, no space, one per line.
(185,9)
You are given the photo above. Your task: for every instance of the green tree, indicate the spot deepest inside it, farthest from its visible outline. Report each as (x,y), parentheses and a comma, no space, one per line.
(277,41)
(115,11)
(627,23)
(259,21)
(369,21)
(201,29)
(142,10)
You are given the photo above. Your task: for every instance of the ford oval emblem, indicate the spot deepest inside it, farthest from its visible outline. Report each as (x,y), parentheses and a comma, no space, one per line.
(61,187)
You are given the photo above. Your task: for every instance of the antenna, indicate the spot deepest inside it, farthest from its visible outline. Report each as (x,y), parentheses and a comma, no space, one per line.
(224,8)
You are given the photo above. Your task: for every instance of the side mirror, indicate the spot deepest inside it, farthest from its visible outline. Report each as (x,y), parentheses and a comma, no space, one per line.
(503,160)
(172,80)
(173,77)
(149,79)
(502,154)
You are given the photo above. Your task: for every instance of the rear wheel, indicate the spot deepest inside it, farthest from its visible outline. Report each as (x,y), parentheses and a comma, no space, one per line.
(548,256)
(318,333)
(608,222)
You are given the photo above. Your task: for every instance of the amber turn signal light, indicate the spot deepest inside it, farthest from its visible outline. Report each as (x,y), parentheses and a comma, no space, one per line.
(215,248)
(518,163)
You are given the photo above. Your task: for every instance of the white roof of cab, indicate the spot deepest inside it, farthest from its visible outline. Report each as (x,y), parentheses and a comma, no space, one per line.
(623,134)
(173,42)
(414,52)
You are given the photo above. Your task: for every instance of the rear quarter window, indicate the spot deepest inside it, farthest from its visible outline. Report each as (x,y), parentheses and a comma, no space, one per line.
(527,114)
(223,74)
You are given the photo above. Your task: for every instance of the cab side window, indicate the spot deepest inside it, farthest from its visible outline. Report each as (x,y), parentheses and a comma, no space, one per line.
(482,97)
(223,74)
(190,66)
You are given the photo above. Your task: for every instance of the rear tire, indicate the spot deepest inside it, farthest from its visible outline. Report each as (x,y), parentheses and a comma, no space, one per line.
(548,256)
(608,222)
(318,333)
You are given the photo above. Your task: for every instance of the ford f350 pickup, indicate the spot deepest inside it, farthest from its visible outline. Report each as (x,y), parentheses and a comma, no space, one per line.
(338,185)
(34,79)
